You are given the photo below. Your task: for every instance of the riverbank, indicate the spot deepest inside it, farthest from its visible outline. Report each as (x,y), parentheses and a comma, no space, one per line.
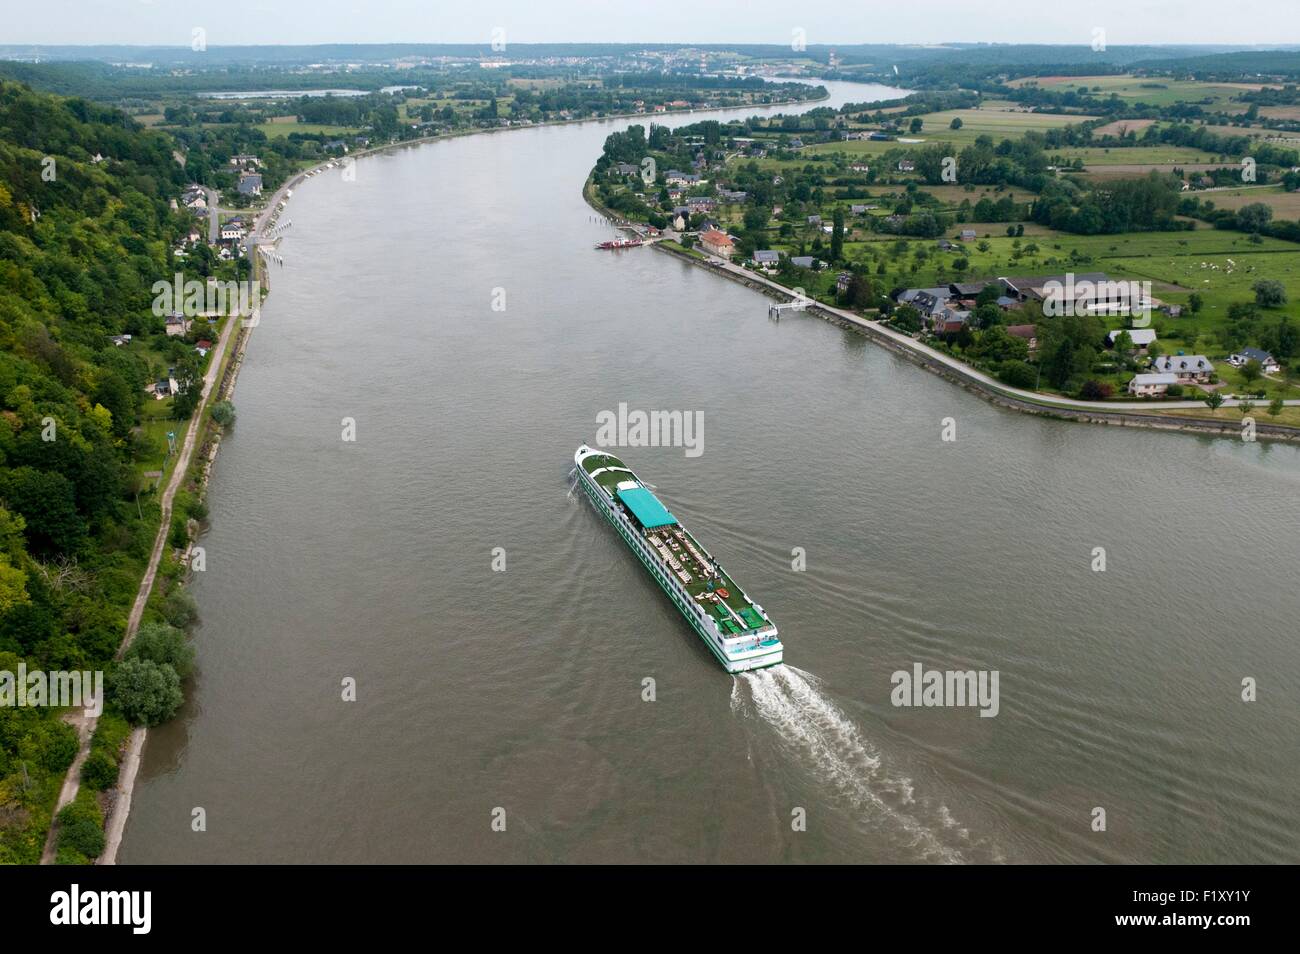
(1126,414)
(86,725)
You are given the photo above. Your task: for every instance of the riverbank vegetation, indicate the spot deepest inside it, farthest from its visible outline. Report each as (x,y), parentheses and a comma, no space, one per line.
(87,227)
(946,192)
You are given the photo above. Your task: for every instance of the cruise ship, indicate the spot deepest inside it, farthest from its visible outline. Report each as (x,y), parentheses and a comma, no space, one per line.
(733,626)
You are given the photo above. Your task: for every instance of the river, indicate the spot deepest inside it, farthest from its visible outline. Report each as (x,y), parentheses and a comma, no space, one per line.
(476,690)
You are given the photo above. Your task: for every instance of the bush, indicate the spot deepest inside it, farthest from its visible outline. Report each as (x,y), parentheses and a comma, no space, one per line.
(179,535)
(1174,390)
(82,836)
(52,744)
(146,692)
(100,770)
(1095,390)
(81,832)
(164,645)
(1018,374)
(223,412)
(179,609)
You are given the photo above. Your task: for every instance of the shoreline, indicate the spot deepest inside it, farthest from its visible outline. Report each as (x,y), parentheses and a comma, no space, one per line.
(968,378)
(1122,417)
(232,361)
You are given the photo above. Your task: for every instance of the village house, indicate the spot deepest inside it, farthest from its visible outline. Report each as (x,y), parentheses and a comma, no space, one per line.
(906,165)
(1093,291)
(1266,361)
(1189,368)
(163,388)
(677,177)
(925,300)
(233,230)
(967,291)
(1151,385)
(767,256)
(1142,338)
(717,243)
(804,261)
(176,325)
(1027,333)
(842,281)
(947,321)
(250,184)
(968,235)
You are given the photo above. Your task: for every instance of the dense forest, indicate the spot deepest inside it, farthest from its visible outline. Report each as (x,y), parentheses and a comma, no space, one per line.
(85,230)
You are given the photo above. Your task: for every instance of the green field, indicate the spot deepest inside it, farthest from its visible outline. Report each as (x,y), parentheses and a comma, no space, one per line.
(1139,155)
(1160,91)
(281,129)
(936,127)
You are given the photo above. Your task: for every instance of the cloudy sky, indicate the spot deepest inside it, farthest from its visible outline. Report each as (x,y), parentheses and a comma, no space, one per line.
(234,22)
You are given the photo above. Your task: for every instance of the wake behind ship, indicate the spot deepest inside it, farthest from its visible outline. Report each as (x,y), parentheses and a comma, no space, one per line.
(732,625)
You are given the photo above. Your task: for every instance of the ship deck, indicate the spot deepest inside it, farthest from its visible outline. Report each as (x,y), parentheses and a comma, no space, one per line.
(733,611)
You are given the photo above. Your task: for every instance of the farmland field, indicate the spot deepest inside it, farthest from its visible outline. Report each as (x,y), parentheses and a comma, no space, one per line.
(1156,92)
(1285,205)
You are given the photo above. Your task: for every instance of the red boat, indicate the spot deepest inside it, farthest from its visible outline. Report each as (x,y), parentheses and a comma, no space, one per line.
(621,243)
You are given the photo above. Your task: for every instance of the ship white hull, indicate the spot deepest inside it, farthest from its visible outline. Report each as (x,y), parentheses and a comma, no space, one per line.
(732,660)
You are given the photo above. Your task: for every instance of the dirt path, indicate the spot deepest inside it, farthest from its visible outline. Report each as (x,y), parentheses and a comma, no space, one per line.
(86,724)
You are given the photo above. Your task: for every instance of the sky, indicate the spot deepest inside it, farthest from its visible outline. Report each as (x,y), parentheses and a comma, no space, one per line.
(241,22)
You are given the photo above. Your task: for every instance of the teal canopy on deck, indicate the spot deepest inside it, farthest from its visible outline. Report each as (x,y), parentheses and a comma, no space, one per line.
(646,507)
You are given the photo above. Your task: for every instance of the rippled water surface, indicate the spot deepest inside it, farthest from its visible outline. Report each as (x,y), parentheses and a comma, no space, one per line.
(523,689)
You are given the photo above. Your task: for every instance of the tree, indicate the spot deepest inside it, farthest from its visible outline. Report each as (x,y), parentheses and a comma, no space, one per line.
(1251,371)
(13,585)
(1275,406)
(1245,407)
(47,503)
(1195,302)
(907,318)
(1214,401)
(1060,364)
(1254,217)
(163,645)
(147,693)
(956,123)
(916,125)
(1269,293)
(756,217)
(837,234)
